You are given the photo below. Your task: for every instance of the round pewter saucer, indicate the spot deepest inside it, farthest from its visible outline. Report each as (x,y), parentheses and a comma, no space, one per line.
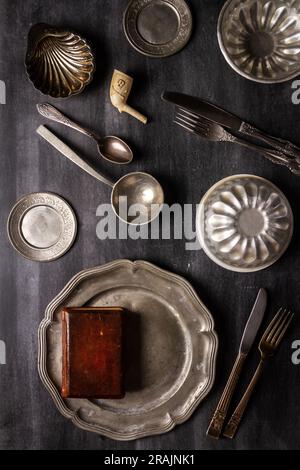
(42,226)
(244,223)
(158,28)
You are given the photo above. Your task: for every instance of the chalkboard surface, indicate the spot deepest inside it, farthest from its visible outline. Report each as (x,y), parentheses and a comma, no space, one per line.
(186,166)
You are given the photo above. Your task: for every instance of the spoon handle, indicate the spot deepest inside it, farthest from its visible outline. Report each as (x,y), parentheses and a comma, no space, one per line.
(50,112)
(71,155)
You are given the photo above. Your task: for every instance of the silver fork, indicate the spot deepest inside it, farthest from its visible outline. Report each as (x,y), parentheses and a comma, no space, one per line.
(214,132)
(268,345)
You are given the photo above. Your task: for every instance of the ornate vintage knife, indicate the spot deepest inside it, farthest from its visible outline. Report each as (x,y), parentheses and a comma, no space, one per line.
(224,118)
(249,335)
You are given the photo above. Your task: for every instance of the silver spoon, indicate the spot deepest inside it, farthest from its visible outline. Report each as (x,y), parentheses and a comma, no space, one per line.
(144,195)
(110,147)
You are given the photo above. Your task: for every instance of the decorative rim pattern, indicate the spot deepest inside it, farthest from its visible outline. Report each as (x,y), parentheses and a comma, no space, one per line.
(42,199)
(171,419)
(157,50)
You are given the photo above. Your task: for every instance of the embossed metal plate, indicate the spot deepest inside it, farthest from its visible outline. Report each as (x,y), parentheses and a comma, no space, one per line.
(158,28)
(42,226)
(169,351)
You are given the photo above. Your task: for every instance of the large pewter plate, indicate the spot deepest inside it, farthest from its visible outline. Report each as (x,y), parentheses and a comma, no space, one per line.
(170,349)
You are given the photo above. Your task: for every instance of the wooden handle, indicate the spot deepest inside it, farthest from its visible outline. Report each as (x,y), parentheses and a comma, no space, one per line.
(216,424)
(129,110)
(233,424)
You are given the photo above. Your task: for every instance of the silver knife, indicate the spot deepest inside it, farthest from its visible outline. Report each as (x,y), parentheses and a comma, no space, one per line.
(249,335)
(224,118)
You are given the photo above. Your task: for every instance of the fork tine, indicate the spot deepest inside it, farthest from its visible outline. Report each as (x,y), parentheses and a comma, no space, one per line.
(279,339)
(270,326)
(190,113)
(191,120)
(190,126)
(182,119)
(192,117)
(184,126)
(277,325)
(282,327)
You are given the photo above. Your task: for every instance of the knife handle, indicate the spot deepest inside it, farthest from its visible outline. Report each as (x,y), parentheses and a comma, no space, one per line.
(281,145)
(234,422)
(215,428)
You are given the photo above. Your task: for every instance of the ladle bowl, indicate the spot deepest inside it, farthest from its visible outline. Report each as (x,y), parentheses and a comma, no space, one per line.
(137,198)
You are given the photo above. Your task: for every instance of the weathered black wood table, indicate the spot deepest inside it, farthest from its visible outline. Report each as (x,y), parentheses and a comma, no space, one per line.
(187,167)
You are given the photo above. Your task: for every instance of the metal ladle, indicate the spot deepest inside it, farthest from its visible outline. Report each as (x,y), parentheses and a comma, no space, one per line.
(110,147)
(144,195)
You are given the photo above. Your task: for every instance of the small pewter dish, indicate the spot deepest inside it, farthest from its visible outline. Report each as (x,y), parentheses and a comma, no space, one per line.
(260,39)
(244,223)
(59,62)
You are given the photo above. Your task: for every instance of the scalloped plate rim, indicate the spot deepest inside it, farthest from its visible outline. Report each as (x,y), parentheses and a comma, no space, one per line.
(42,352)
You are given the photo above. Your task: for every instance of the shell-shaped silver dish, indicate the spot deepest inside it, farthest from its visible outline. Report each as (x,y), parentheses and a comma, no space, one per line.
(59,62)
(244,223)
(260,39)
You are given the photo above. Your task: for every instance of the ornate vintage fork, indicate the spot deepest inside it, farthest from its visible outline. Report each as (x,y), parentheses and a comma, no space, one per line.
(216,133)
(268,345)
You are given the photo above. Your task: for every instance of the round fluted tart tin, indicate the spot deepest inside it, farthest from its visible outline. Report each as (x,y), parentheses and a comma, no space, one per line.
(260,39)
(244,223)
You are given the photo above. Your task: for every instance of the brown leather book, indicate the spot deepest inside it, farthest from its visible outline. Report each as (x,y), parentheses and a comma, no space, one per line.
(92,353)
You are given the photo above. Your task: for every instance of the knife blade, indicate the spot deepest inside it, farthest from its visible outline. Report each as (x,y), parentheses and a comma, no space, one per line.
(254,322)
(204,109)
(251,329)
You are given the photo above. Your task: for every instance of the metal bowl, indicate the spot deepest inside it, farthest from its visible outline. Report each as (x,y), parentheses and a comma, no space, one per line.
(59,62)
(260,39)
(244,223)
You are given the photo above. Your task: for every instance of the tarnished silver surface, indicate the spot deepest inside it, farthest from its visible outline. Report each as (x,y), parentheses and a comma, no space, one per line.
(109,147)
(260,39)
(244,223)
(158,28)
(59,62)
(42,226)
(169,351)
(135,193)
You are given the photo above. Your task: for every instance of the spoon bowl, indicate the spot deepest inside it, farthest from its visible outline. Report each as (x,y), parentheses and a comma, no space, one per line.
(111,148)
(114,150)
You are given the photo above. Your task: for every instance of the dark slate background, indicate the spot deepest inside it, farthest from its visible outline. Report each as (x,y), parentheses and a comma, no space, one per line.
(187,167)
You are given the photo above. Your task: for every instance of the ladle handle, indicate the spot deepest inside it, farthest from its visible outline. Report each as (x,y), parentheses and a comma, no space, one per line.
(71,155)
(50,112)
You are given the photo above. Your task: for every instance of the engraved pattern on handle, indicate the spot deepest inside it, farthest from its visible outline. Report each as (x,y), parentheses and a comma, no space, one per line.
(274,156)
(233,424)
(216,424)
(50,112)
(291,152)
